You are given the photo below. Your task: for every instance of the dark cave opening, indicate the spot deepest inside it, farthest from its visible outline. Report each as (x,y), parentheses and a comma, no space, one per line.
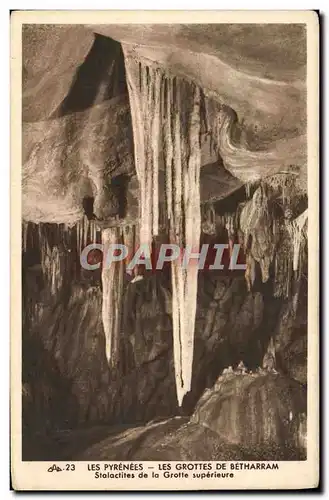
(119,185)
(103,68)
(88,207)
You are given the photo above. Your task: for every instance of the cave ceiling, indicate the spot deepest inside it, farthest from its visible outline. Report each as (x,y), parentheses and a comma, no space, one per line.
(78,128)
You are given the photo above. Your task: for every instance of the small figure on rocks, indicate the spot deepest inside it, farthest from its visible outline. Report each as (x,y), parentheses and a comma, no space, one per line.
(269,358)
(228,371)
(241,369)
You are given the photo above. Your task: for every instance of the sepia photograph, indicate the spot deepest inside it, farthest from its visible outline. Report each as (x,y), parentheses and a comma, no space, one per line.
(166,204)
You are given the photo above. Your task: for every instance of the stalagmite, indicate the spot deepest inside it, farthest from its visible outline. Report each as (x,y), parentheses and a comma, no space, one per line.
(113,280)
(170,105)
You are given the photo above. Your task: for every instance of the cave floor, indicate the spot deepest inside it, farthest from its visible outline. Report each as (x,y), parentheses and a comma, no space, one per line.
(173,439)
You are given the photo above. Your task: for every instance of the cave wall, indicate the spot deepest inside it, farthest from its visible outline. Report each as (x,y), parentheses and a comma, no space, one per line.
(62,311)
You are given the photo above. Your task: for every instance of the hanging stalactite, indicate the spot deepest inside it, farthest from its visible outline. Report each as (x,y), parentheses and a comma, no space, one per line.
(184,222)
(256,222)
(295,229)
(113,281)
(169,109)
(86,233)
(144,85)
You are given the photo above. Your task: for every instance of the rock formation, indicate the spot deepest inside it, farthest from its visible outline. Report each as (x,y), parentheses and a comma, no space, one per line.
(183,139)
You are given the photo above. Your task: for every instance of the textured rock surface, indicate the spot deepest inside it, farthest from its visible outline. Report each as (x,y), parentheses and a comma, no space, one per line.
(222,59)
(244,417)
(254,410)
(67,159)
(291,340)
(177,438)
(233,43)
(51,57)
(174,439)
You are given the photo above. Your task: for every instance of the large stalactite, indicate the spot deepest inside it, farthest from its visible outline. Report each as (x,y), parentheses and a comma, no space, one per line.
(168,110)
(185,229)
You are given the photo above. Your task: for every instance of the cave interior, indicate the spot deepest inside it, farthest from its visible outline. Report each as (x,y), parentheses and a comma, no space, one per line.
(187,134)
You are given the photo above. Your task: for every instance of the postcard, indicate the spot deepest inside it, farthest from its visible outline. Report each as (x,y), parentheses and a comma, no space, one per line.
(164,250)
